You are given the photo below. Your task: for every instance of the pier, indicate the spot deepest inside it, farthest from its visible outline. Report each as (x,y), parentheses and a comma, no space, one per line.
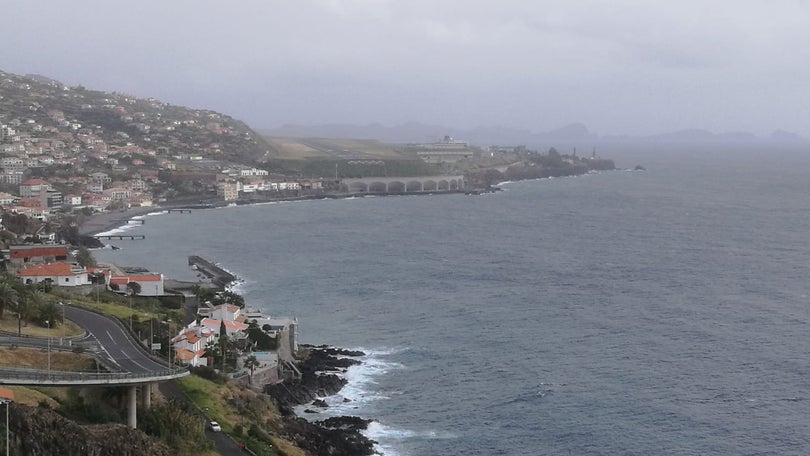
(121,237)
(218,276)
(187,211)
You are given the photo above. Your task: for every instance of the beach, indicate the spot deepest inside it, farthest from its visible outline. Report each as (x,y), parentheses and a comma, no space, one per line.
(105,221)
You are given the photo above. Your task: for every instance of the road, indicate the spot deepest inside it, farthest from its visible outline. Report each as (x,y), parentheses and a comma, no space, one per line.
(115,344)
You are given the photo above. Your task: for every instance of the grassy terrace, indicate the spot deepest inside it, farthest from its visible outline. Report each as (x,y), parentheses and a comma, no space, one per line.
(235,409)
(10,323)
(38,358)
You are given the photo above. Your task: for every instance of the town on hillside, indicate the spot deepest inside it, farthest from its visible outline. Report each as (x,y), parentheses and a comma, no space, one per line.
(79,151)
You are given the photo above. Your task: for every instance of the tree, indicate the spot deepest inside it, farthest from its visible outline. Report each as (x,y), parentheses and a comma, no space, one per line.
(85,258)
(28,303)
(49,312)
(133,288)
(8,297)
(251,363)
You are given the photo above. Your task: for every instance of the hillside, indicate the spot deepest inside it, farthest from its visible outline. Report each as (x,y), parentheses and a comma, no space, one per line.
(81,120)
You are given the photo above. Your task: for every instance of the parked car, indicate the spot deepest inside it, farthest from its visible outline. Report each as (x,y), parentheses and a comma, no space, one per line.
(214,426)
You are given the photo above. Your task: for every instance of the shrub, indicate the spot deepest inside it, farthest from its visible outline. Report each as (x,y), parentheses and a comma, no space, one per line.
(208,373)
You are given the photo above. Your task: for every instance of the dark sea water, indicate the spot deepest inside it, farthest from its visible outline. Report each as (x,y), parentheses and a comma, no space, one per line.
(627,312)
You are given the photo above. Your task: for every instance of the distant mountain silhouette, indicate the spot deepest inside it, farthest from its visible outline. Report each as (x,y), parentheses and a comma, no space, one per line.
(782,135)
(413,132)
(418,132)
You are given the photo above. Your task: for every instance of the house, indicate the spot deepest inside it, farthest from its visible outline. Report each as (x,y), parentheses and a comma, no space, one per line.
(118,193)
(73,200)
(229,191)
(227,312)
(99,275)
(151,284)
(33,187)
(191,358)
(190,346)
(231,327)
(6,199)
(21,254)
(60,274)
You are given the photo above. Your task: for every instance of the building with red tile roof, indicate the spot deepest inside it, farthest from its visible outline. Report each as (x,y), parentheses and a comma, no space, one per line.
(60,273)
(21,254)
(214,325)
(151,284)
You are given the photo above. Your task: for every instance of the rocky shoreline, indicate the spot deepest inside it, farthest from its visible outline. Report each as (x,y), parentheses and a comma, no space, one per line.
(320,377)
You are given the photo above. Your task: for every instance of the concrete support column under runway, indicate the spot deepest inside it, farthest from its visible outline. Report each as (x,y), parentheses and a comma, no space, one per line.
(146,396)
(132,407)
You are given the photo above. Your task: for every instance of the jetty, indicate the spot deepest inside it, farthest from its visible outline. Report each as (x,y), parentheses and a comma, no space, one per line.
(121,237)
(218,276)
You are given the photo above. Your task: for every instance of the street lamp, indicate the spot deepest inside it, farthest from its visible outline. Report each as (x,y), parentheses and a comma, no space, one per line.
(168,322)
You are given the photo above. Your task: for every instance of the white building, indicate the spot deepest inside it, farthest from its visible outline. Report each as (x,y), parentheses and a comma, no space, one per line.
(60,274)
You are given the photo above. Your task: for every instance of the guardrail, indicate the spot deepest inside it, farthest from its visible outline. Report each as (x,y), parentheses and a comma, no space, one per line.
(31,376)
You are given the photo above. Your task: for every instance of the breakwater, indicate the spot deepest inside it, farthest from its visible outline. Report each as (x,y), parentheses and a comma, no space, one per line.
(218,276)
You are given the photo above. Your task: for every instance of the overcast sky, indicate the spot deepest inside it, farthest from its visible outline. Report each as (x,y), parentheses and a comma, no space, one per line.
(619,66)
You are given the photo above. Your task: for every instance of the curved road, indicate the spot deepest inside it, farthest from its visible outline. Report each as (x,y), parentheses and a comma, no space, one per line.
(116,345)
(109,341)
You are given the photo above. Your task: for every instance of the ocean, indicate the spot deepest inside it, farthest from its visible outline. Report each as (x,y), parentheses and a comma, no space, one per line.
(627,312)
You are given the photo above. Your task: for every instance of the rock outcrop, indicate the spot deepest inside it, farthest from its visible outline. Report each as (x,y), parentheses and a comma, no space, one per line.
(334,436)
(318,378)
(43,432)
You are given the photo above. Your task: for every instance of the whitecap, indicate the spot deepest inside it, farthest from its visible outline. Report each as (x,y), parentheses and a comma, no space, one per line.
(377,430)
(118,230)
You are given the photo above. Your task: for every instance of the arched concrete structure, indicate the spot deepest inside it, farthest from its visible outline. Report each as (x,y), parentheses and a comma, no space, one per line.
(403,184)
(358,187)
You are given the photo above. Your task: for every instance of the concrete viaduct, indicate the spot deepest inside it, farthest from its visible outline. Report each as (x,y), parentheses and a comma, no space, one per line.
(403,184)
(113,346)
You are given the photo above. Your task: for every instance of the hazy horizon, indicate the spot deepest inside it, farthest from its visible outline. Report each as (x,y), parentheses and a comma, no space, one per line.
(624,68)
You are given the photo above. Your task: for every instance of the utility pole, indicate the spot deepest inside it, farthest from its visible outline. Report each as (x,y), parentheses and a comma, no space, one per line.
(62,340)
(47,322)
(130,311)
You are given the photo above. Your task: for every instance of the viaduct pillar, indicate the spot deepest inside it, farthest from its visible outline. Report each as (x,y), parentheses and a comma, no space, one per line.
(146,396)
(132,407)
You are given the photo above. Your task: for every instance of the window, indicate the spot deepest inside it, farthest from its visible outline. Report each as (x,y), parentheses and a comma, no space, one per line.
(67,279)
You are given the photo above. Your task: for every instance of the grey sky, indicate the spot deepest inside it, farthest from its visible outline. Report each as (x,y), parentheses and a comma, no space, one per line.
(619,66)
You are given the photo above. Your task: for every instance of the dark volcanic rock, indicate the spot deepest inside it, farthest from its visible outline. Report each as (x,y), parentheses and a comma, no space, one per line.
(314,382)
(320,403)
(320,440)
(38,431)
(354,423)
(340,436)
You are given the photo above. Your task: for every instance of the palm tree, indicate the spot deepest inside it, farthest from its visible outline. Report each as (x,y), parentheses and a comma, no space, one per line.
(26,305)
(251,363)
(8,297)
(49,311)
